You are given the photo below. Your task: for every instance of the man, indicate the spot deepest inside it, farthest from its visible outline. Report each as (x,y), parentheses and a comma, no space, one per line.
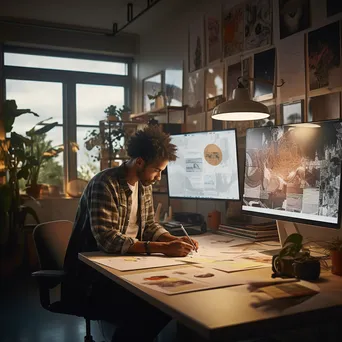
(116,215)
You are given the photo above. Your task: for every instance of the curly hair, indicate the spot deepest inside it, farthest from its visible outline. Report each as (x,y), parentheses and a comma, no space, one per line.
(151,144)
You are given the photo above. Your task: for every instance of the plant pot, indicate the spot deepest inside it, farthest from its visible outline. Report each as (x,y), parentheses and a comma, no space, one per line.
(336,262)
(33,190)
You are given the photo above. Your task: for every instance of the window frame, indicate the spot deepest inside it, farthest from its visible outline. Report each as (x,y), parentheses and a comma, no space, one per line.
(69,80)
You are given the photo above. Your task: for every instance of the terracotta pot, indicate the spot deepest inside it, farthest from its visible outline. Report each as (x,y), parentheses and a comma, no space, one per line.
(34,190)
(336,262)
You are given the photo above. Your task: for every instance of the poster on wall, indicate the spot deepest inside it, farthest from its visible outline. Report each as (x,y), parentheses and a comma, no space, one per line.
(258,23)
(264,74)
(292,113)
(293,73)
(233,30)
(213,36)
(333,7)
(196,92)
(233,73)
(294,16)
(174,87)
(324,51)
(152,85)
(271,120)
(196,45)
(324,107)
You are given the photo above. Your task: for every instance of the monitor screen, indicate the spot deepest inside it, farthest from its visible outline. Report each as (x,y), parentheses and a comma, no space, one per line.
(293,173)
(206,166)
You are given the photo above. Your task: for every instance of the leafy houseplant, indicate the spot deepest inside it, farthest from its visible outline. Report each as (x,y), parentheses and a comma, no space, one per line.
(295,261)
(12,153)
(108,140)
(117,114)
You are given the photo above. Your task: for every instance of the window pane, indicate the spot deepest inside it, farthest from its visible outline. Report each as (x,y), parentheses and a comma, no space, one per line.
(63,63)
(43,98)
(51,171)
(92,100)
(87,163)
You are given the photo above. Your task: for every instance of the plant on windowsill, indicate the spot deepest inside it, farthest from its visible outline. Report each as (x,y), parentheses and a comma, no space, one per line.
(117,114)
(108,140)
(40,152)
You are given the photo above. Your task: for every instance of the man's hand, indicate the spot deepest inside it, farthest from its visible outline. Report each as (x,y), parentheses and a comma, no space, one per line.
(177,248)
(185,239)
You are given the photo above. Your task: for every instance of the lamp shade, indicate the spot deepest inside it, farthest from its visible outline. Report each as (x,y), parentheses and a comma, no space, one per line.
(240,108)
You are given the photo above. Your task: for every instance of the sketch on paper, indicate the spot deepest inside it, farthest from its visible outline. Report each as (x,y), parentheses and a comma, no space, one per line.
(324,49)
(233,30)
(213,36)
(196,92)
(196,45)
(294,16)
(258,24)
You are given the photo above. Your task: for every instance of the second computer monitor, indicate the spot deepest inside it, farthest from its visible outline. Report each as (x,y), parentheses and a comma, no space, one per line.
(206,167)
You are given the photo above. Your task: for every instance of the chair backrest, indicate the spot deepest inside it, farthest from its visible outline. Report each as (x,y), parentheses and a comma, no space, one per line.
(51,240)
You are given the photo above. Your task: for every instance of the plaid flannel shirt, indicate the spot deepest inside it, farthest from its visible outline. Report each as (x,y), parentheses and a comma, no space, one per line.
(103,213)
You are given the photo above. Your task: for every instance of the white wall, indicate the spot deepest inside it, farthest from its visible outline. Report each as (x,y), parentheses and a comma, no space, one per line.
(166,46)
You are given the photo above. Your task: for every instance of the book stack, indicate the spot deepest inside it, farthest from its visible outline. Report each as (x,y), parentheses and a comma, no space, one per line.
(266,231)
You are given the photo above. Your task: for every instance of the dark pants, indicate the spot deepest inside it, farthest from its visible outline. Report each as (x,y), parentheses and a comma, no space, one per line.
(134,318)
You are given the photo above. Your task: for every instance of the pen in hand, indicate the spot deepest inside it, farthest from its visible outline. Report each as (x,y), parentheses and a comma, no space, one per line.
(187,235)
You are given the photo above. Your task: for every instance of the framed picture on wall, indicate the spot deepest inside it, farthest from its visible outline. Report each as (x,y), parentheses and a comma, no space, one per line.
(196,45)
(213,34)
(292,112)
(324,107)
(151,86)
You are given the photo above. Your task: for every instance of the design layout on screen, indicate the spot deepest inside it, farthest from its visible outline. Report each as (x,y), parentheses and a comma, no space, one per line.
(294,172)
(206,166)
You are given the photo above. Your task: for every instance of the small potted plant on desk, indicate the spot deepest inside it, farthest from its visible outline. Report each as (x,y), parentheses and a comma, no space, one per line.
(295,261)
(334,248)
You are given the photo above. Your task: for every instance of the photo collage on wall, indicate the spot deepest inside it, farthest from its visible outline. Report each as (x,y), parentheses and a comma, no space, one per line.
(294,169)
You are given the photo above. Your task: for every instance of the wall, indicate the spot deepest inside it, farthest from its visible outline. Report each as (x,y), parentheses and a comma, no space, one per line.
(166,46)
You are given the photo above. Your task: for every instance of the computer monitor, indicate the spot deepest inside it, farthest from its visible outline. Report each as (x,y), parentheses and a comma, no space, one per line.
(293,173)
(206,167)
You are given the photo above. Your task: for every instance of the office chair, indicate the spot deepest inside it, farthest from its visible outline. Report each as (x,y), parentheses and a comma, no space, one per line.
(51,240)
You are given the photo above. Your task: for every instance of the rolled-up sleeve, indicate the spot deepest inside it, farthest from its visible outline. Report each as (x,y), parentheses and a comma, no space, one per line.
(152,230)
(104,220)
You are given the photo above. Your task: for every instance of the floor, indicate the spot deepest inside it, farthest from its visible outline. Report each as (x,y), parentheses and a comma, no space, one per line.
(24,320)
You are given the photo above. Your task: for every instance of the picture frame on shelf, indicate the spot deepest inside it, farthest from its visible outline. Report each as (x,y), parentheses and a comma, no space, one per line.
(173,85)
(292,112)
(152,86)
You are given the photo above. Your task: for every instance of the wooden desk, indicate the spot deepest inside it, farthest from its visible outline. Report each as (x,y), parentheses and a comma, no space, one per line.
(234,313)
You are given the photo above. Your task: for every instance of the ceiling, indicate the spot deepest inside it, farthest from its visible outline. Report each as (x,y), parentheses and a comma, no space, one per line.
(96,15)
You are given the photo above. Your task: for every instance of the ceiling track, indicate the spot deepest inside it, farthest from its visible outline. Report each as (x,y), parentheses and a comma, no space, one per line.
(130,18)
(115,29)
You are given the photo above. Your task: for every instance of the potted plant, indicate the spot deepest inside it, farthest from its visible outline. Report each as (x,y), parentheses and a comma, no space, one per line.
(108,141)
(159,101)
(39,152)
(117,114)
(335,250)
(294,260)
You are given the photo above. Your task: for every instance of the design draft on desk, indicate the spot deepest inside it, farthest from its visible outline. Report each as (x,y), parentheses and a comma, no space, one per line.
(130,263)
(183,280)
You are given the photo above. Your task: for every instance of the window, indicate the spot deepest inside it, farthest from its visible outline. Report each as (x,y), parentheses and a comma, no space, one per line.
(62,63)
(74,91)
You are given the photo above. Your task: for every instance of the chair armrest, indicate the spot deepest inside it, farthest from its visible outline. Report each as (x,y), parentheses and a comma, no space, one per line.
(47,279)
